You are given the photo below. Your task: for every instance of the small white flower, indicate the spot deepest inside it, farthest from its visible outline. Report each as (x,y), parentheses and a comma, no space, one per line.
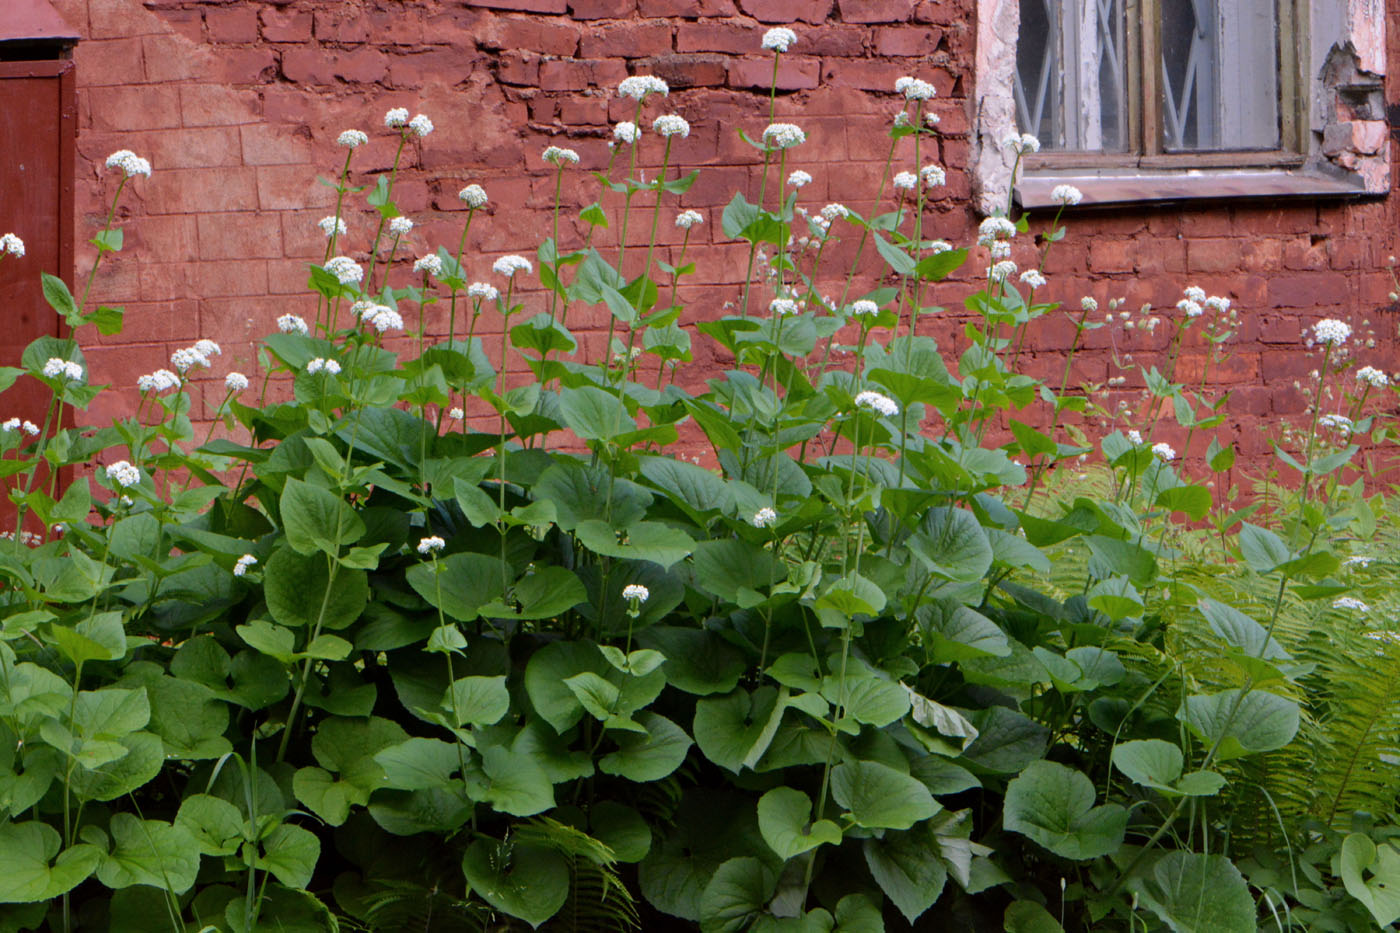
(386,319)
(188,358)
(129,162)
(939,246)
(1335,422)
(319,364)
(1020,143)
(396,118)
(638,87)
(906,181)
(635,592)
(864,308)
(30,428)
(235,382)
(627,132)
(671,124)
(456,414)
(932,119)
(1358,560)
(1034,278)
(351,139)
(1001,271)
(240,566)
(1066,195)
(474,196)
(400,226)
(11,425)
(158,381)
(123,474)
(933,176)
(999,249)
(834,211)
(207,348)
(689,218)
(483,291)
(1191,308)
(430,264)
(782,306)
(783,135)
(1331,332)
(1350,602)
(876,402)
(914,88)
(1089,304)
(1163,451)
(1195,293)
(431,545)
(509,265)
(995,228)
(12,245)
(779,39)
(799,179)
(292,324)
(420,125)
(332,225)
(559,156)
(346,270)
(1218,304)
(56,368)
(764,518)
(1135,437)
(1372,377)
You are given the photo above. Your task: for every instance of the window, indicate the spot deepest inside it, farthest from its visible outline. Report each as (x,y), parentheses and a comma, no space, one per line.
(1144,100)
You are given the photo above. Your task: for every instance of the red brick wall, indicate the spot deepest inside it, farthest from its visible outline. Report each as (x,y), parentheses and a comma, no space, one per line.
(237,103)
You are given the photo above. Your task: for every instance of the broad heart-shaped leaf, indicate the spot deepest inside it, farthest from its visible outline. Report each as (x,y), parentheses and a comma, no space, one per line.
(163,855)
(649,757)
(459,584)
(1157,764)
(100,638)
(528,882)
(316,519)
(955,632)
(290,853)
(301,591)
(217,825)
(735,730)
(1006,740)
(1258,722)
(1029,917)
(697,661)
(729,567)
(418,764)
(879,797)
(736,895)
(1262,549)
(594,414)
(784,819)
(653,541)
(540,594)
(27,870)
(477,701)
(1195,893)
(1054,805)
(952,544)
(542,334)
(519,786)
(906,867)
(545,677)
(1242,632)
(1359,858)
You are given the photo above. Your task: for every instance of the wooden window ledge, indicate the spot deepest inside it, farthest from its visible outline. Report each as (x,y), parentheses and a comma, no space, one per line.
(1156,188)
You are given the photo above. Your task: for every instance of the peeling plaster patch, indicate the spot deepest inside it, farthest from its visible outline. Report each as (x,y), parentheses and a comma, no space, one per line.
(1354,132)
(994,76)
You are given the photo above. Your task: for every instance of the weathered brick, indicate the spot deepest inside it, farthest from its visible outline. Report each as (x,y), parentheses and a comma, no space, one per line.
(907,40)
(789,11)
(877,11)
(239,235)
(602,9)
(216,105)
(285,25)
(275,145)
(134,107)
(629,40)
(232,24)
(106,62)
(526,6)
(794,74)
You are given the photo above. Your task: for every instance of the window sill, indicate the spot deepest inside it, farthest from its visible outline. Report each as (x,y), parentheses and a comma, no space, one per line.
(1157,188)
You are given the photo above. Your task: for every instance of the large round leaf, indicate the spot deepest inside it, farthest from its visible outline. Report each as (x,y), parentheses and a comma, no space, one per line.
(527,882)
(300,591)
(1258,722)
(907,869)
(1054,805)
(27,869)
(1195,893)
(545,677)
(459,584)
(736,895)
(879,797)
(648,757)
(784,819)
(734,731)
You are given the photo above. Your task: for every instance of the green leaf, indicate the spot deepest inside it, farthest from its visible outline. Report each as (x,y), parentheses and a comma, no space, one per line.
(879,797)
(459,584)
(593,414)
(1029,917)
(302,591)
(649,757)
(1194,893)
(907,869)
(697,661)
(952,544)
(216,825)
(1054,805)
(519,786)
(290,853)
(100,638)
(734,898)
(316,519)
(1193,500)
(1371,874)
(784,819)
(1219,458)
(734,731)
(544,335)
(899,261)
(58,296)
(418,764)
(1006,740)
(1262,549)
(528,882)
(269,639)
(1157,764)
(152,852)
(955,632)
(478,701)
(28,871)
(542,594)
(1258,722)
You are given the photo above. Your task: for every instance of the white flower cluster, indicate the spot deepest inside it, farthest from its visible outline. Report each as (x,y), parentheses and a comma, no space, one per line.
(346,270)
(835,211)
(240,566)
(1372,377)
(420,126)
(1190,308)
(933,175)
(59,368)
(635,592)
(162,380)
(993,229)
(914,88)
(235,382)
(764,518)
(474,196)
(11,245)
(396,117)
(1336,423)
(556,155)
(783,135)
(1163,451)
(779,39)
(689,218)
(1034,278)
(1350,602)
(799,179)
(1066,195)
(456,413)
(129,162)
(509,265)
(1002,270)
(1135,438)
(483,290)
(1020,143)
(352,139)
(400,226)
(14,424)
(1331,332)
(638,87)
(381,317)
(332,226)
(906,181)
(187,358)
(431,545)
(874,401)
(864,307)
(430,264)
(124,474)
(1358,560)
(627,132)
(292,324)
(671,124)
(782,306)
(319,364)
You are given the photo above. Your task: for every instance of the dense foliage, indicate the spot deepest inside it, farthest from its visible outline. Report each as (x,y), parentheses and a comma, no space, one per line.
(369,661)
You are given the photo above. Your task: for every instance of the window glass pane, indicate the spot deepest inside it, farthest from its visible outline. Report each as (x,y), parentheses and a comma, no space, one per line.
(1071,74)
(1220,80)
